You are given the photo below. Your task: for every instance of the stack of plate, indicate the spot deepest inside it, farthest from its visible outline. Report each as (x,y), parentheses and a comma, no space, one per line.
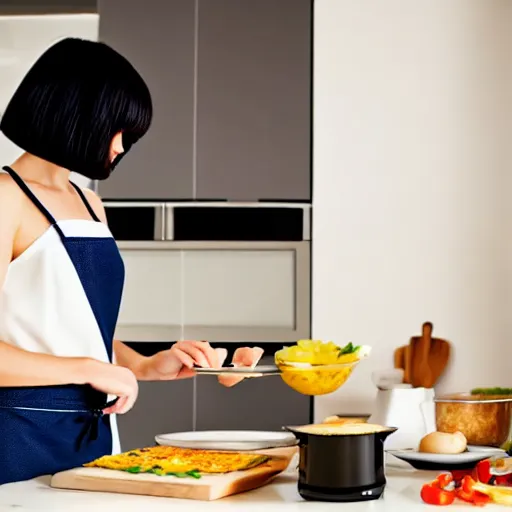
(228,440)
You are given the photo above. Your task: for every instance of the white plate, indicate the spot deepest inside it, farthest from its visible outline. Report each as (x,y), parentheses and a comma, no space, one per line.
(236,440)
(241,371)
(436,461)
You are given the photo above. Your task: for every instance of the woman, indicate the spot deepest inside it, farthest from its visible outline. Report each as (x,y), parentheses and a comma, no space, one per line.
(62,375)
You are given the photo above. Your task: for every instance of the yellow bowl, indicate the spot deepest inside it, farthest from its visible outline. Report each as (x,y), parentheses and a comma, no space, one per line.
(316,379)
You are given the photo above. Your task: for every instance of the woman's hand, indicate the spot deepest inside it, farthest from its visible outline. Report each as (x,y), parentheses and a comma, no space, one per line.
(243,356)
(178,362)
(113,380)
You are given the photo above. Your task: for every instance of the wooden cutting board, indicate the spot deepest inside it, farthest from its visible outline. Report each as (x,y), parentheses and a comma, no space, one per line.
(207,488)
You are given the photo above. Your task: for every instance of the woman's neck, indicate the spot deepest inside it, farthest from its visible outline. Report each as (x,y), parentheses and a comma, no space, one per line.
(35,169)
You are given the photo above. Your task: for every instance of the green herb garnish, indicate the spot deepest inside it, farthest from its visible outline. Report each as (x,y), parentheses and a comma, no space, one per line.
(492,391)
(158,470)
(349,348)
(194,474)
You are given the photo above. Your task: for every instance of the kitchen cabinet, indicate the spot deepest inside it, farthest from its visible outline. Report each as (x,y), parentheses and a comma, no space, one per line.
(255,404)
(27,7)
(157,37)
(253,99)
(162,407)
(231,84)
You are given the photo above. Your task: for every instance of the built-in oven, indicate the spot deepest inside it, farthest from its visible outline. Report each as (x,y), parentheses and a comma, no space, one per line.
(136,221)
(222,273)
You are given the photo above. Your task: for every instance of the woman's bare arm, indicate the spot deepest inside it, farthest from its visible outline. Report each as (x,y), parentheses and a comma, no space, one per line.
(131,359)
(19,367)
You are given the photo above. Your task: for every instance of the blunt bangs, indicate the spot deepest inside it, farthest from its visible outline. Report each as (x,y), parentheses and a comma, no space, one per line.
(76,97)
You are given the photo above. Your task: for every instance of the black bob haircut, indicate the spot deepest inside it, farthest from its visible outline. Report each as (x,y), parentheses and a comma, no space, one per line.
(72,102)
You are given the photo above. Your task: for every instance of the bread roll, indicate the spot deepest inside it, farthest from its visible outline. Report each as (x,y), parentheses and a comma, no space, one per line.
(441,442)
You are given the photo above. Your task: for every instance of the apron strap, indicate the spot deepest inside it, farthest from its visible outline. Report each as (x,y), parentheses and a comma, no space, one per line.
(87,204)
(24,187)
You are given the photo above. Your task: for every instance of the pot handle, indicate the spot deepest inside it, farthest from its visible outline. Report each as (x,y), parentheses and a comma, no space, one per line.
(385,433)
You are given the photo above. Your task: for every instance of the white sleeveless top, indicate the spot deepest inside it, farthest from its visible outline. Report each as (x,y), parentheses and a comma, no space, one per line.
(43,306)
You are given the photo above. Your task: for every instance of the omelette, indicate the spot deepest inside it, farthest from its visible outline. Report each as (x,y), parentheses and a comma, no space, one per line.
(179,462)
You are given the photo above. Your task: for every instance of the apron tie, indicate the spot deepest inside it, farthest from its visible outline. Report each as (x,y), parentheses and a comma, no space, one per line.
(91,422)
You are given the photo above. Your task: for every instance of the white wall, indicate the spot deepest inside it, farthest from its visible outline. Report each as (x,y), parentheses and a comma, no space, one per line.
(412,102)
(22,40)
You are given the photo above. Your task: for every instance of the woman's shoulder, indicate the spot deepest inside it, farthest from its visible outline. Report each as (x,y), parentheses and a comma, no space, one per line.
(11,207)
(96,203)
(11,196)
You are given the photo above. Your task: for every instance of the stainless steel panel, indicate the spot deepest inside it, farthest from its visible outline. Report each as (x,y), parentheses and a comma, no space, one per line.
(302,326)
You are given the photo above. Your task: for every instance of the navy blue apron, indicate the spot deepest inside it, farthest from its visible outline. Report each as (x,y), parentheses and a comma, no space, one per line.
(44,430)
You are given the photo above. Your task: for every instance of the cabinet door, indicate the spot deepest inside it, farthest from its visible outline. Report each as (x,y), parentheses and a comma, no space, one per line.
(162,407)
(251,292)
(151,308)
(254,404)
(28,7)
(157,37)
(253,102)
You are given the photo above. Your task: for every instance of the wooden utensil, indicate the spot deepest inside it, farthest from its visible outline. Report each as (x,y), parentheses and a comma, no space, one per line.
(399,357)
(439,356)
(407,365)
(420,365)
(207,488)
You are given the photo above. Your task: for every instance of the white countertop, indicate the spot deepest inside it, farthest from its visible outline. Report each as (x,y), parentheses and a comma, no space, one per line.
(402,495)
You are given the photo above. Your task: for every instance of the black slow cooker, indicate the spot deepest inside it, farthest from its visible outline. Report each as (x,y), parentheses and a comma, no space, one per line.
(341,467)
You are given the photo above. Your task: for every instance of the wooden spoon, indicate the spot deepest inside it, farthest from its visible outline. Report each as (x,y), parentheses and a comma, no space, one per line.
(438,359)
(407,365)
(420,363)
(399,358)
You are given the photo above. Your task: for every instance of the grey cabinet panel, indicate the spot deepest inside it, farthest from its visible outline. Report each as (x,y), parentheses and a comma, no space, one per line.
(24,7)
(254,404)
(253,99)
(157,37)
(162,407)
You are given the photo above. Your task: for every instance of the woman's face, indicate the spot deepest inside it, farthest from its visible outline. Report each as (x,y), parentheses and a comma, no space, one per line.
(116,147)
(116,152)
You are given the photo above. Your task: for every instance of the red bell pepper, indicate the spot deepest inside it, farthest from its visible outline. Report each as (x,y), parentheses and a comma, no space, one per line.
(439,492)
(466,493)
